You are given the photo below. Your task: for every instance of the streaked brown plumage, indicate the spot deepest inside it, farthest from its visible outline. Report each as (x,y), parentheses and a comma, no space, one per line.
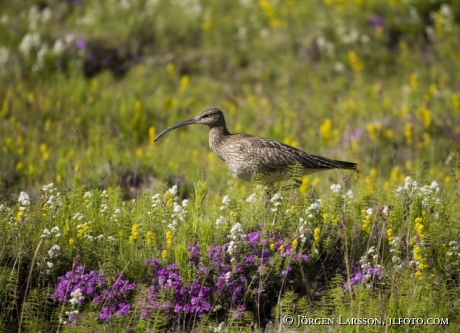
(252,157)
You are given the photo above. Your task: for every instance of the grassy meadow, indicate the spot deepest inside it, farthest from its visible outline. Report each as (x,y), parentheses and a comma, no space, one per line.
(103,230)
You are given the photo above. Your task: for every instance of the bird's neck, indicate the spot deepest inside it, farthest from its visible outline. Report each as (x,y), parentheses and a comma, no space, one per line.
(217,136)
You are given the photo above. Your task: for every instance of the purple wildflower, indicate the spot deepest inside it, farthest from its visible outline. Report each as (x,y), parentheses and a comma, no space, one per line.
(376,20)
(81,44)
(286,271)
(363,276)
(254,238)
(80,287)
(194,251)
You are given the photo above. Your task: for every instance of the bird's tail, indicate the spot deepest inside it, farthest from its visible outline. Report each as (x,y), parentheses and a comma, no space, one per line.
(346,165)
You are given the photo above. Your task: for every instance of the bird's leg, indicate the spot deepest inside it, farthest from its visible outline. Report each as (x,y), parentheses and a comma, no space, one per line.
(270,190)
(297,183)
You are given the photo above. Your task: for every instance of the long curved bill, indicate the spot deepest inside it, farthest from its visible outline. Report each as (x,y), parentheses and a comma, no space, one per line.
(169,129)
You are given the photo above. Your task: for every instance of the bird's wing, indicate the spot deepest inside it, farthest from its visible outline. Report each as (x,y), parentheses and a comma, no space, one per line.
(276,155)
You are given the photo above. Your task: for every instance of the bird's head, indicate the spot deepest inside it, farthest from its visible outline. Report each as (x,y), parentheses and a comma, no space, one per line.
(213,117)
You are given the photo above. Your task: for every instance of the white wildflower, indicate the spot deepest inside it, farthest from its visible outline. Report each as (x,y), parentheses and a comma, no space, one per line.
(156,200)
(174,190)
(220,220)
(251,198)
(29,41)
(336,188)
(339,67)
(349,195)
(105,208)
(78,217)
(58,47)
(76,297)
(46,233)
(435,186)
(237,230)
(226,200)
(48,189)
(276,197)
(386,210)
(54,251)
(231,247)
(24,199)
(314,207)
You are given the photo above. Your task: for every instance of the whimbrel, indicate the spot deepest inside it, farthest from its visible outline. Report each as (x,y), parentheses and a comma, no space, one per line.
(252,157)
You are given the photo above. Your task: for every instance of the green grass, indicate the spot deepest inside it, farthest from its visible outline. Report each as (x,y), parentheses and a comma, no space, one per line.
(325,76)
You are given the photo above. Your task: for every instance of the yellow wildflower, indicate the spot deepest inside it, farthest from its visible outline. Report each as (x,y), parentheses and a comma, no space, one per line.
(45,152)
(409,133)
(390,236)
(316,181)
(374,130)
(305,185)
(32,169)
(5,107)
(282,248)
(378,32)
(456,101)
(169,238)
(67,227)
(83,230)
(426,139)
(94,85)
(164,254)
(184,83)
(152,134)
(355,61)
(326,129)
(206,26)
(9,143)
(414,81)
(134,233)
(350,105)
(389,134)
(419,227)
(171,69)
(425,114)
(149,237)
(19,215)
(47,124)
(72,242)
(295,244)
(418,257)
(317,236)
(433,89)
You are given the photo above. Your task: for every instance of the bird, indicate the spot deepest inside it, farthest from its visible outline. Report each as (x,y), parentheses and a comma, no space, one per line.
(254,158)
